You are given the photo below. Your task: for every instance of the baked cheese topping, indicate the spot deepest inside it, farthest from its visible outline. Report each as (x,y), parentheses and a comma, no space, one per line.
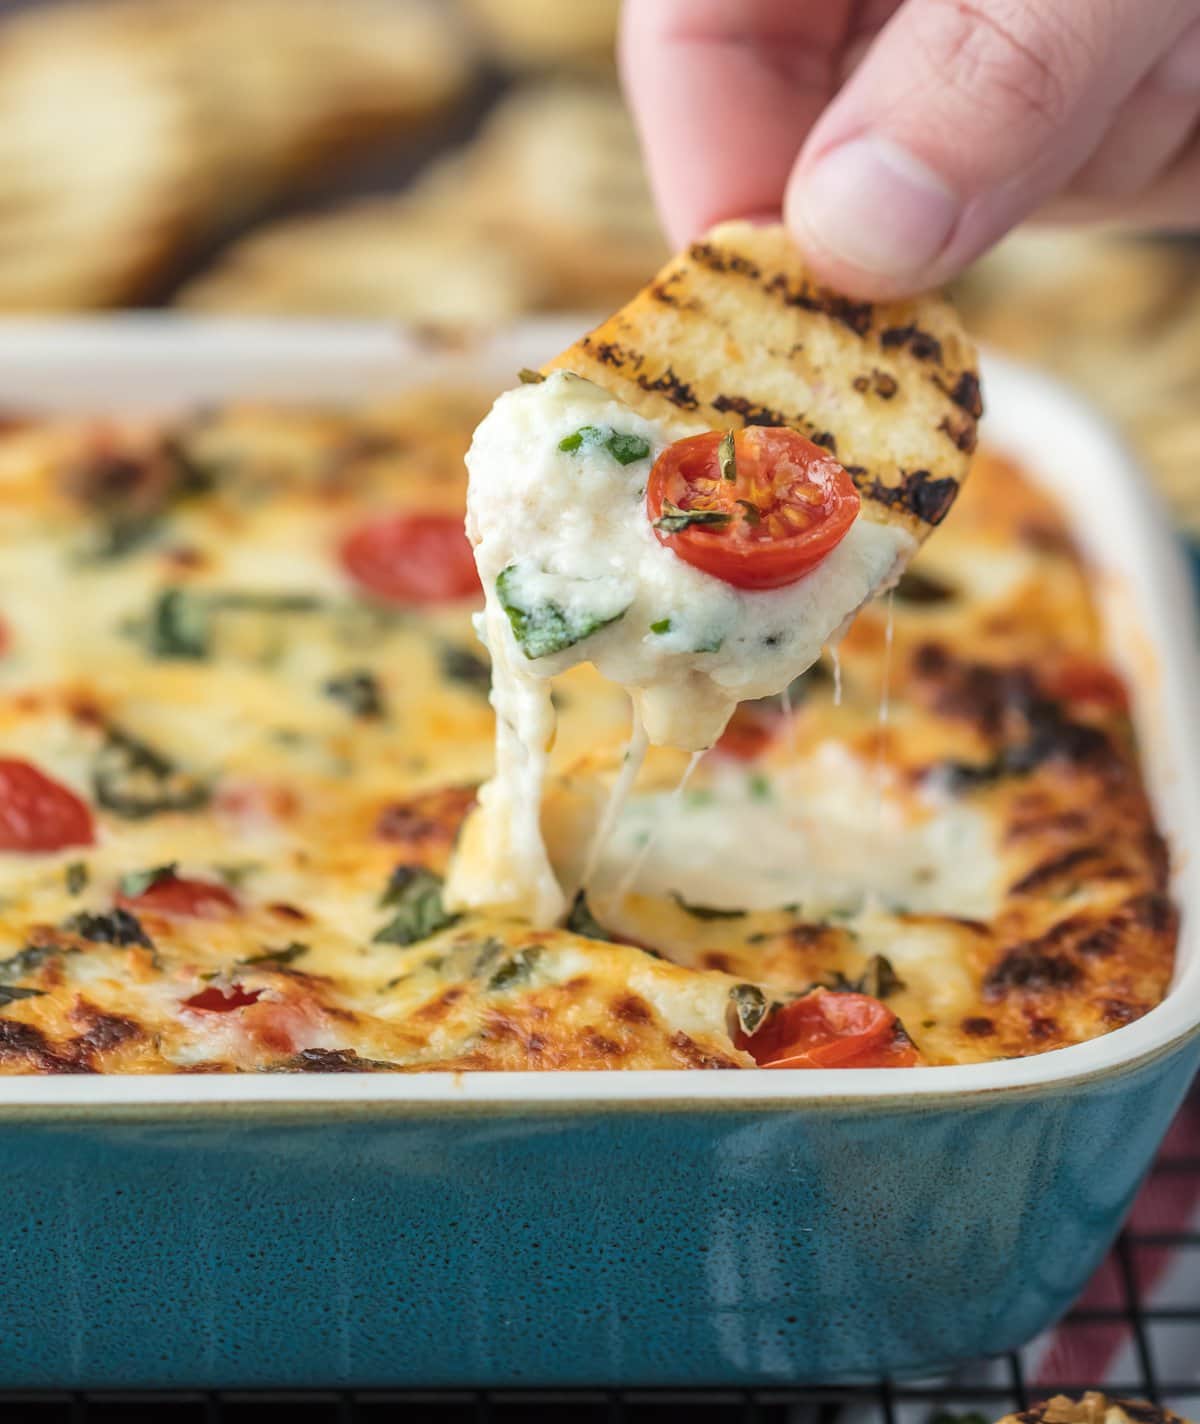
(244,716)
(572,571)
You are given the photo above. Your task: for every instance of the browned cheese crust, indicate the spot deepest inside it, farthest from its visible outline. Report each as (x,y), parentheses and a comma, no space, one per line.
(271,730)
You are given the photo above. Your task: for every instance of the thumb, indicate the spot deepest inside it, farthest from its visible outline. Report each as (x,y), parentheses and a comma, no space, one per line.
(962,118)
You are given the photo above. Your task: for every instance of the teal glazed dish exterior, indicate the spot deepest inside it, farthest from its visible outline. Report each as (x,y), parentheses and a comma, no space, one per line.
(649,1244)
(738,1228)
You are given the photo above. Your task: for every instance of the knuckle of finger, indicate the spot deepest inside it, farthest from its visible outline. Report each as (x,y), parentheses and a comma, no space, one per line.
(1008,60)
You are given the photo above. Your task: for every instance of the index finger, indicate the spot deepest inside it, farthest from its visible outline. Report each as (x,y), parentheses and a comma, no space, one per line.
(724,93)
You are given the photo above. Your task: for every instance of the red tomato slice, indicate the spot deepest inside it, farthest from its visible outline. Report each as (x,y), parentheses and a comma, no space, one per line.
(177,897)
(412,558)
(214,1000)
(828,1030)
(1078,678)
(788,507)
(39,814)
(748,733)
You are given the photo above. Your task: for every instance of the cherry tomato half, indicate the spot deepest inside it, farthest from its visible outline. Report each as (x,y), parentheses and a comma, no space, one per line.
(177,897)
(748,732)
(38,814)
(788,506)
(828,1030)
(214,1000)
(412,558)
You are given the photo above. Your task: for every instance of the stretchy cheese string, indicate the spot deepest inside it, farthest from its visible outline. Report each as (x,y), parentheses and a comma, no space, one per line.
(670,811)
(635,755)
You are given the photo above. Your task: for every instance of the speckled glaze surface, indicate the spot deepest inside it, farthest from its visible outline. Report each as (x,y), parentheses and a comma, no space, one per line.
(641,1245)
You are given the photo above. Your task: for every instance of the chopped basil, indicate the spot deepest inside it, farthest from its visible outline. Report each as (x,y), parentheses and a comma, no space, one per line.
(516,970)
(137,882)
(543,626)
(706,912)
(9,993)
(662,626)
(752,515)
(585,435)
(358,691)
(32,957)
(483,956)
(749,1006)
(181,623)
(134,780)
(624,448)
(529,377)
(462,665)
(759,787)
(673,519)
(76,876)
(286,954)
(180,626)
(726,459)
(117,927)
(121,534)
(416,896)
(878,978)
(581,921)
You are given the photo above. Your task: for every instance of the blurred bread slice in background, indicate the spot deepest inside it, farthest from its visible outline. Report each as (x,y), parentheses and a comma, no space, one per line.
(557,168)
(549,202)
(1118,318)
(547,34)
(390,257)
(130,128)
(96,187)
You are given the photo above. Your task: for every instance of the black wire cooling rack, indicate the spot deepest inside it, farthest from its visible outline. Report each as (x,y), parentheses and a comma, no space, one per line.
(1135,1332)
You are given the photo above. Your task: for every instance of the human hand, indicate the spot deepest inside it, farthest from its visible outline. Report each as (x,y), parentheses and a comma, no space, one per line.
(901,138)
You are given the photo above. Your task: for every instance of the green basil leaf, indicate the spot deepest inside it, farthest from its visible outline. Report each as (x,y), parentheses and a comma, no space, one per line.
(749,1006)
(585,435)
(581,921)
(286,954)
(706,912)
(9,993)
(726,459)
(673,519)
(518,969)
(416,896)
(542,626)
(137,882)
(180,626)
(359,692)
(626,449)
(464,666)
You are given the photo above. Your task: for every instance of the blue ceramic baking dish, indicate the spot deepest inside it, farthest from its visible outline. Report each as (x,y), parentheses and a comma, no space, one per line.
(650,1229)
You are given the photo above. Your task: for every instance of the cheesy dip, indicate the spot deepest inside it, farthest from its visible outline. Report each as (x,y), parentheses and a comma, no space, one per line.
(244,714)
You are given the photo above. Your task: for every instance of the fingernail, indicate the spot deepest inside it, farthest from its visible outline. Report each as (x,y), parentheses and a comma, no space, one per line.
(872,204)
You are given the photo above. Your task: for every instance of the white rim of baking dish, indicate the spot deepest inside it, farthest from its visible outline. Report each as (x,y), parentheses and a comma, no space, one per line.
(155,361)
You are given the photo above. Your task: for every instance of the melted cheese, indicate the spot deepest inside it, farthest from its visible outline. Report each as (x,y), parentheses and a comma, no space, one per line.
(572,571)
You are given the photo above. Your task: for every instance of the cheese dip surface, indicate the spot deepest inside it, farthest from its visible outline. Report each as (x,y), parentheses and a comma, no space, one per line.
(573,570)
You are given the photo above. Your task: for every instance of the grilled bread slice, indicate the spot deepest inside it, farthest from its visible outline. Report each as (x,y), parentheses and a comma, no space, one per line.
(734,331)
